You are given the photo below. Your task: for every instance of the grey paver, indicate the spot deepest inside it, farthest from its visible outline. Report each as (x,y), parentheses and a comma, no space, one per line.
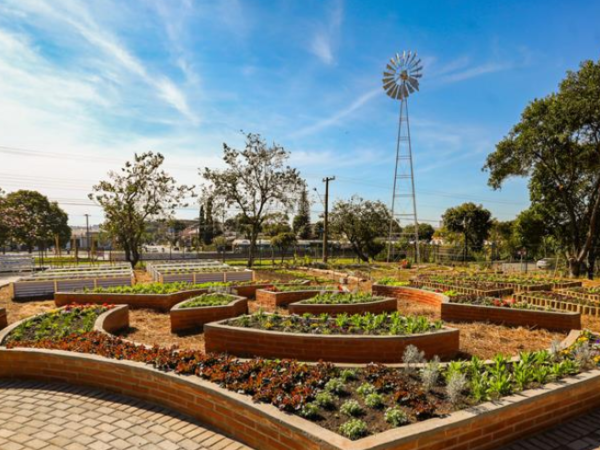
(55,416)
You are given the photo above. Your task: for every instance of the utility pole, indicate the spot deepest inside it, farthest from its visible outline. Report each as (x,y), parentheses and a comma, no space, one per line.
(326,180)
(200,223)
(87,234)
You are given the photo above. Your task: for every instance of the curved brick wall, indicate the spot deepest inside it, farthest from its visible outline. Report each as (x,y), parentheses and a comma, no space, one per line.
(410,294)
(248,342)
(189,318)
(456,312)
(249,291)
(556,321)
(3,319)
(160,302)
(270,300)
(378,307)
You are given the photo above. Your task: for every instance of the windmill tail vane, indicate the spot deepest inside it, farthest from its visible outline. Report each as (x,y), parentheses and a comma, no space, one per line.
(400,80)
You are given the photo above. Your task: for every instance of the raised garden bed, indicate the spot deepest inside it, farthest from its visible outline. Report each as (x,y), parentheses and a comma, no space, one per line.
(249,290)
(281,295)
(67,321)
(214,396)
(486,284)
(3,319)
(355,339)
(44,284)
(469,311)
(344,303)
(160,302)
(591,294)
(195,312)
(562,300)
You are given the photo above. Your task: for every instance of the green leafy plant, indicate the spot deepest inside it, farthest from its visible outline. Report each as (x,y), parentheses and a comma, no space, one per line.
(351,408)
(396,417)
(354,429)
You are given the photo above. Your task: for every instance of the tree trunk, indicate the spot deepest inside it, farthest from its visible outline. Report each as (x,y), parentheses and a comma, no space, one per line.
(574,267)
(591,263)
(252,252)
(135,257)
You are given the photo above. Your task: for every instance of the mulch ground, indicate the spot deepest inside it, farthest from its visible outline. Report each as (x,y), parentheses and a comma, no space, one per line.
(480,339)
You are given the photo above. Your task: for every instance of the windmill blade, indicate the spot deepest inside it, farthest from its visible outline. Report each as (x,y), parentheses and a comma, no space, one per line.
(388,80)
(413,58)
(416,75)
(388,85)
(418,64)
(391,66)
(394,91)
(410,88)
(413,82)
(389,74)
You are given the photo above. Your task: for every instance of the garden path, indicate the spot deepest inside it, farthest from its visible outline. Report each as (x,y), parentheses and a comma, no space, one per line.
(55,416)
(578,434)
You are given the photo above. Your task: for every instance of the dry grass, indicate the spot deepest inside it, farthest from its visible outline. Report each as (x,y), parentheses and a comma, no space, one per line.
(21,310)
(486,340)
(152,327)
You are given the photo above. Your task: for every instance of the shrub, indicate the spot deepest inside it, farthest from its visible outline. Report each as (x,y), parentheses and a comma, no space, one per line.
(365,389)
(351,408)
(335,386)
(457,383)
(310,411)
(325,399)
(348,375)
(395,416)
(374,400)
(354,429)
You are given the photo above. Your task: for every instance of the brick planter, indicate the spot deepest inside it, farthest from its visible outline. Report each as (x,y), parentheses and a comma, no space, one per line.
(549,320)
(484,427)
(3,319)
(459,312)
(378,307)
(270,300)
(183,319)
(248,342)
(249,290)
(109,322)
(409,294)
(160,302)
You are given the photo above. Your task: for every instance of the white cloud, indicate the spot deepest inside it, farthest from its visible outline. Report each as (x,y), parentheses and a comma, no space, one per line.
(327,36)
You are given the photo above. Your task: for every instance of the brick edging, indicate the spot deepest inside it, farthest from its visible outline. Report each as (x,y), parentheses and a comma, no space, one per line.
(160,302)
(485,426)
(248,342)
(189,318)
(3,319)
(270,300)
(376,307)
(459,312)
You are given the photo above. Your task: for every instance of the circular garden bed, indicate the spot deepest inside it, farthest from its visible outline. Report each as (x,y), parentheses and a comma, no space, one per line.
(379,338)
(197,311)
(344,303)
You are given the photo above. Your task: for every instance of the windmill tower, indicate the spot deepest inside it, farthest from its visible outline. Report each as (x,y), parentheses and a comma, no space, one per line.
(400,79)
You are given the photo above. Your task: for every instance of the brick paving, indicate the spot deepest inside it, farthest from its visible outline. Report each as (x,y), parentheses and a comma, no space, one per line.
(55,416)
(579,434)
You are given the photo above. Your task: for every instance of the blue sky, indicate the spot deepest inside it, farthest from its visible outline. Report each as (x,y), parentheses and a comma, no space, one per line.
(85,84)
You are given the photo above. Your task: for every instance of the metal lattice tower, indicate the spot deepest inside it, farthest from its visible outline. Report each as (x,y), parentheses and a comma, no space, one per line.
(400,79)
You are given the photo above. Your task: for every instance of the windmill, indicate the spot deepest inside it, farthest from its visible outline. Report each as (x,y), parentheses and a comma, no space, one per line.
(400,79)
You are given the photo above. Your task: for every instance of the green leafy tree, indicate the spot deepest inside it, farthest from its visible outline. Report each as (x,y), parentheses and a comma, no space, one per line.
(257,181)
(529,231)
(283,241)
(557,145)
(502,239)
(302,226)
(472,221)
(140,193)
(31,219)
(276,223)
(364,223)
(425,233)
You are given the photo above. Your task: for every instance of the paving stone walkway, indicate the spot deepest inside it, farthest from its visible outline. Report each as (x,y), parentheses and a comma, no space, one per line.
(579,434)
(54,416)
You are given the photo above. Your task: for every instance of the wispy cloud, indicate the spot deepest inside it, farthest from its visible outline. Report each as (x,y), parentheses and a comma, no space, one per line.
(338,116)
(326,37)
(473,72)
(76,16)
